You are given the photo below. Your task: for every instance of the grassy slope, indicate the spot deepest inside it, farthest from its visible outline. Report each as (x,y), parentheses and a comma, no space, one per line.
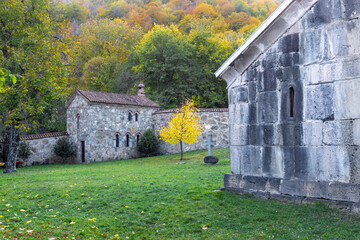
(153,198)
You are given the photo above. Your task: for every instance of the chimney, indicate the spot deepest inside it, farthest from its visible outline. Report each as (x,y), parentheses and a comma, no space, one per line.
(141,91)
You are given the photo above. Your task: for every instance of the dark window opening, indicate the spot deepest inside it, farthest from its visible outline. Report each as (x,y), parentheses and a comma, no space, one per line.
(136,117)
(117,141)
(127,140)
(129,116)
(292,98)
(78,122)
(137,138)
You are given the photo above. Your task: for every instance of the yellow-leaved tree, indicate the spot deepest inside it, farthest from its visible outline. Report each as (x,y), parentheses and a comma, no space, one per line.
(184,126)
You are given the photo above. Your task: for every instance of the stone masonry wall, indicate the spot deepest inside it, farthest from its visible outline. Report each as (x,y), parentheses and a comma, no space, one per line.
(100,123)
(215,122)
(41,148)
(319,58)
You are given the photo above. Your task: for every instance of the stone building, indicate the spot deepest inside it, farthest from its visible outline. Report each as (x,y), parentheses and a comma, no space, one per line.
(294,102)
(107,126)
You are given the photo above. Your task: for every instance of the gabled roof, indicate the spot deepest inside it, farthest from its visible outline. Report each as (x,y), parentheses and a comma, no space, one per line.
(114,98)
(174,110)
(285,16)
(41,135)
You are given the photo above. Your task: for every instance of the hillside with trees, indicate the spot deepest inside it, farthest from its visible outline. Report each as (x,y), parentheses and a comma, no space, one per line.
(172,46)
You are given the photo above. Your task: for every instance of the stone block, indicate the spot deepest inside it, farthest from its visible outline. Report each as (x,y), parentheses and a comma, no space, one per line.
(338,133)
(253,113)
(251,160)
(347,99)
(344,192)
(289,162)
(311,46)
(356,131)
(352,9)
(269,134)
(320,102)
(252,91)
(354,154)
(232,181)
(337,41)
(312,133)
(305,163)
(254,183)
(353,35)
(273,163)
(269,61)
(238,95)
(333,164)
(268,112)
(291,134)
(319,15)
(289,43)
(269,80)
(238,135)
(255,135)
(291,73)
(240,113)
(305,188)
(351,69)
(286,60)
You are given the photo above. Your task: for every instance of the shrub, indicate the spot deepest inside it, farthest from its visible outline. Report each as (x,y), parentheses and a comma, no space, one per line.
(24,151)
(64,148)
(148,143)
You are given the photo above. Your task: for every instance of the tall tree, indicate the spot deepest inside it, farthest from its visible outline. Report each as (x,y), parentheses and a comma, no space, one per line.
(30,49)
(164,59)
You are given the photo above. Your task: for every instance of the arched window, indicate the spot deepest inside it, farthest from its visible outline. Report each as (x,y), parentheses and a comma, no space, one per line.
(138,135)
(78,121)
(136,117)
(292,101)
(127,142)
(129,116)
(117,139)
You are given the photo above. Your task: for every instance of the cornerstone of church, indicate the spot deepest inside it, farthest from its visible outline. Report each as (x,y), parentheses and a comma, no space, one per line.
(294,104)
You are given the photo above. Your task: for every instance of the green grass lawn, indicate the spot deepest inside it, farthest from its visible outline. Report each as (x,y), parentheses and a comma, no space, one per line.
(153,198)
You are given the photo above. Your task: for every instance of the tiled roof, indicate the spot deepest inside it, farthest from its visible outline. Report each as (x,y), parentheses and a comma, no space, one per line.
(43,135)
(115,98)
(200,110)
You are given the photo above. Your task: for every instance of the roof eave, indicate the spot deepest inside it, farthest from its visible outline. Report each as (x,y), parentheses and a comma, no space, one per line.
(258,32)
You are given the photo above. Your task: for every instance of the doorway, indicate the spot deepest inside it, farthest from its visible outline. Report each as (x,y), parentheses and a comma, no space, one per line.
(82,151)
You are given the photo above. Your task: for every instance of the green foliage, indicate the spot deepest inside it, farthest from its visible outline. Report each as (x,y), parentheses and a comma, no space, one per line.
(24,150)
(164,56)
(177,66)
(134,198)
(64,148)
(31,47)
(148,143)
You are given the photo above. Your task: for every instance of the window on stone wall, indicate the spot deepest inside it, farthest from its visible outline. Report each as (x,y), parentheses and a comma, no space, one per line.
(292,101)
(117,139)
(129,116)
(136,117)
(127,144)
(78,121)
(138,137)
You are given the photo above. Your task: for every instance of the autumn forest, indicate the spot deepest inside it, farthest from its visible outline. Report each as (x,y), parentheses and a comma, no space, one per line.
(48,49)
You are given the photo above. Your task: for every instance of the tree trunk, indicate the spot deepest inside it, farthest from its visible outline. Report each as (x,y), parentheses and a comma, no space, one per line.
(10,147)
(181,149)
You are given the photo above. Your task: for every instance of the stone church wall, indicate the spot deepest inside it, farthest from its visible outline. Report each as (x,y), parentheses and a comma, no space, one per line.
(100,123)
(215,122)
(308,146)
